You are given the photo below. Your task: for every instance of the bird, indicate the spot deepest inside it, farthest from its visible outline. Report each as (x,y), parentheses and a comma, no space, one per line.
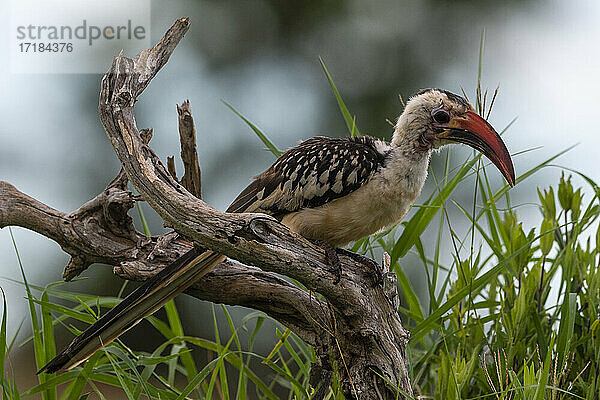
(330,190)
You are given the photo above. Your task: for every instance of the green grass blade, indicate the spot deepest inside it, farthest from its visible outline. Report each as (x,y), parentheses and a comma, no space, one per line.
(3,346)
(68,311)
(48,335)
(122,355)
(40,356)
(64,295)
(120,373)
(219,370)
(242,381)
(256,130)
(278,346)
(173,318)
(152,360)
(350,121)
(289,378)
(198,378)
(112,380)
(175,324)
(304,367)
(143,219)
(51,383)
(495,245)
(162,327)
(414,305)
(480,63)
(224,382)
(544,374)
(6,389)
(566,327)
(76,388)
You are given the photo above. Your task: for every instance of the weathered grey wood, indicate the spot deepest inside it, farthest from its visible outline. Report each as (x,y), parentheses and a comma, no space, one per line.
(357,328)
(192,177)
(89,238)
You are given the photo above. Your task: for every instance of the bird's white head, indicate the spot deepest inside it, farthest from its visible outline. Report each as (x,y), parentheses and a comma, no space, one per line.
(435,117)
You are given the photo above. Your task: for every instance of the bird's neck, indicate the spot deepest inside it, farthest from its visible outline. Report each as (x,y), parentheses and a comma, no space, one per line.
(406,142)
(407,162)
(407,168)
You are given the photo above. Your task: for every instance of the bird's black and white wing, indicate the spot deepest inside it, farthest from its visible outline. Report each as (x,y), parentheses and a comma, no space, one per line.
(311,174)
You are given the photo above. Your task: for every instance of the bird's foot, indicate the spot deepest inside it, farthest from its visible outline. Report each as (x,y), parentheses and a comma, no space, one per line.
(373,269)
(332,260)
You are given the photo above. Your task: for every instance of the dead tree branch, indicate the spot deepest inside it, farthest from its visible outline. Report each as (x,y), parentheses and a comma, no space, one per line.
(192,178)
(89,236)
(357,327)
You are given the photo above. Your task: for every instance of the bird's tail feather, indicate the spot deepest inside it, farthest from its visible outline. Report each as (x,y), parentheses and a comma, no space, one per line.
(143,301)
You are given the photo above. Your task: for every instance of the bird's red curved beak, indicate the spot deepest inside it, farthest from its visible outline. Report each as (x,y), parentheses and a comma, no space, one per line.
(476,132)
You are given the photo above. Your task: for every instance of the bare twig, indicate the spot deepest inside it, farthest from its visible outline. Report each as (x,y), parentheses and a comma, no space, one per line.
(171,167)
(192,178)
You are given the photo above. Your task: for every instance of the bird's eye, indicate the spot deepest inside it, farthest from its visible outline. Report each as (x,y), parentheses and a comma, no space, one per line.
(440,116)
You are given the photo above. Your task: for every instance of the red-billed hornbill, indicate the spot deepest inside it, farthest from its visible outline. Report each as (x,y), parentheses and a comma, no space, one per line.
(330,190)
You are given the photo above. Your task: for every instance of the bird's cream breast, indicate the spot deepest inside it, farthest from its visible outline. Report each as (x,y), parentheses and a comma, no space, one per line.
(379,204)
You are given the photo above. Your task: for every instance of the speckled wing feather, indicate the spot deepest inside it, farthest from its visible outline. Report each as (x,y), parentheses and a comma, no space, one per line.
(311,174)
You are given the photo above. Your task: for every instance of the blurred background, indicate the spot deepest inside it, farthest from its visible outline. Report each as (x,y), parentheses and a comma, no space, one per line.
(262,56)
